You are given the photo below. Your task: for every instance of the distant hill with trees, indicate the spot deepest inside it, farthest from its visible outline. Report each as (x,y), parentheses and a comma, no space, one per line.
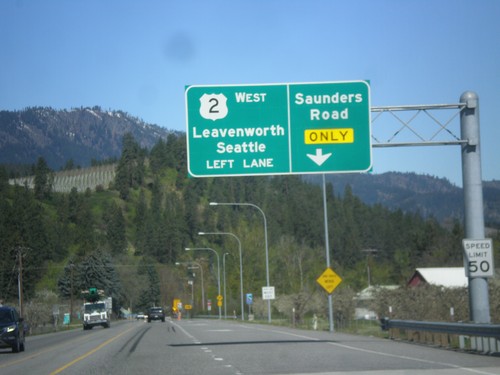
(128,238)
(82,147)
(427,195)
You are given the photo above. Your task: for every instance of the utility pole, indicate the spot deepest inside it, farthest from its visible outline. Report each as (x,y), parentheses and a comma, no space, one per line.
(71,266)
(21,251)
(369,251)
(20,286)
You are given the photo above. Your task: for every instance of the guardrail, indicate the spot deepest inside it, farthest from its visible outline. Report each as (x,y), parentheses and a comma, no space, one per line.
(484,338)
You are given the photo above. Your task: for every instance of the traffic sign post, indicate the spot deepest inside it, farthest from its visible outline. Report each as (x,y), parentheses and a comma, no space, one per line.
(219,300)
(249,298)
(268,292)
(329,280)
(294,128)
(478,257)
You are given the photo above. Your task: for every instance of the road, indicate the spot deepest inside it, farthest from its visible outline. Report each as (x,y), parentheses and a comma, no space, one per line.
(213,347)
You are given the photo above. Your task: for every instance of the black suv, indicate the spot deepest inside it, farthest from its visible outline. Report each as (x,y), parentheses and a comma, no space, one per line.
(156,313)
(11,329)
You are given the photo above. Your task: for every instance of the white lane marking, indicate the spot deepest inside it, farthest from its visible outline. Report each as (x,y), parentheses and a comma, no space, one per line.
(450,365)
(219,330)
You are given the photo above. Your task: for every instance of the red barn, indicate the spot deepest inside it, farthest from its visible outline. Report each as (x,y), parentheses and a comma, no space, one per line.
(448,277)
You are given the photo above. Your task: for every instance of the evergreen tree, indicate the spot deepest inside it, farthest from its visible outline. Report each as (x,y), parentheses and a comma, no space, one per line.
(97,271)
(150,295)
(175,227)
(7,260)
(130,170)
(156,198)
(114,289)
(115,229)
(28,235)
(4,180)
(177,153)
(140,224)
(158,239)
(349,244)
(192,193)
(70,164)
(75,202)
(158,157)
(43,179)
(68,281)
(85,236)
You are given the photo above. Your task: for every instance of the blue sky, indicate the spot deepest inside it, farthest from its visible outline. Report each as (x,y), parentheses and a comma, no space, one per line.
(137,56)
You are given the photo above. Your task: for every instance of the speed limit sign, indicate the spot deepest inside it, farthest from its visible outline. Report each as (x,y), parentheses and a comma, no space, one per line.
(478,257)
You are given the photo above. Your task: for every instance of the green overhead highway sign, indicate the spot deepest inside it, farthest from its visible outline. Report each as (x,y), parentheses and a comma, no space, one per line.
(293,128)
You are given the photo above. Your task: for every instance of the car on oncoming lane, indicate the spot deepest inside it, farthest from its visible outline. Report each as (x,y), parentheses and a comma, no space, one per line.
(11,329)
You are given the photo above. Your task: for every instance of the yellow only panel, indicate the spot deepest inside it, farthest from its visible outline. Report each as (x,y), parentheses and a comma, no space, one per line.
(328,136)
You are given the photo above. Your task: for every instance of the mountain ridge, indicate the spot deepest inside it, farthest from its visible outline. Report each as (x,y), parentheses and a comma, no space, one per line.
(424,194)
(79,134)
(91,133)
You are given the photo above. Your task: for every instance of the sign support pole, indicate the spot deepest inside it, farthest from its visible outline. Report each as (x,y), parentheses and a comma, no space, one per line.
(327,249)
(479,306)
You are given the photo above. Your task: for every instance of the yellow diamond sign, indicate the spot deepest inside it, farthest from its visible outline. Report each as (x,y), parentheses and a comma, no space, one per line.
(329,280)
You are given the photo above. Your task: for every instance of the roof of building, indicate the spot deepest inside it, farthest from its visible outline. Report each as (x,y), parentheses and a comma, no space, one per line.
(448,277)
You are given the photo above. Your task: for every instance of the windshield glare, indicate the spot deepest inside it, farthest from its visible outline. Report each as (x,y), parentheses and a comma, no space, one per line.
(95,307)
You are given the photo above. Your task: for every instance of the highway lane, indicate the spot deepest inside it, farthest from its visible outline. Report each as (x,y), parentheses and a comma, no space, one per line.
(213,347)
(262,349)
(128,347)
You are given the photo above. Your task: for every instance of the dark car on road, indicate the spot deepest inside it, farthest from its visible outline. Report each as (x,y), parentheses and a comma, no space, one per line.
(11,329)
(156,313)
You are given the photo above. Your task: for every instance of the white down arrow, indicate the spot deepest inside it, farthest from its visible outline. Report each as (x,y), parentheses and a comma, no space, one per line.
(319,158)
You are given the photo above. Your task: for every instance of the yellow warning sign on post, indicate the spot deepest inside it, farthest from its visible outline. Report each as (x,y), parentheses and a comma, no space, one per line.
(329,280)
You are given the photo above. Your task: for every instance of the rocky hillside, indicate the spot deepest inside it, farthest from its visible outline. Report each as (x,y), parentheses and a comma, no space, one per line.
(80,134)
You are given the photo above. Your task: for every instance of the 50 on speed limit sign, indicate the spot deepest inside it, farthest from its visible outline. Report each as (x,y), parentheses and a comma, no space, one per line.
(478,257)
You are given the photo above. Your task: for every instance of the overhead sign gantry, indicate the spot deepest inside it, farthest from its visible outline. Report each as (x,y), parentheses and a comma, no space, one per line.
(293,128)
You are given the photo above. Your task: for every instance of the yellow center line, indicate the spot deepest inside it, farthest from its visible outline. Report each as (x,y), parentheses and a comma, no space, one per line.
(76,360)
(34,355)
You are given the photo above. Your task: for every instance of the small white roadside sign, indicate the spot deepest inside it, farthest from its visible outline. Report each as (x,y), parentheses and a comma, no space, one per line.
(268,292)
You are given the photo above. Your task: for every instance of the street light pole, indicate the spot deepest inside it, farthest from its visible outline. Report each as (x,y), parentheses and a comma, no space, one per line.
(241,265)
(224,273)
(191,282)
(202,284)
(218,269)
(266,243)
(327,251)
